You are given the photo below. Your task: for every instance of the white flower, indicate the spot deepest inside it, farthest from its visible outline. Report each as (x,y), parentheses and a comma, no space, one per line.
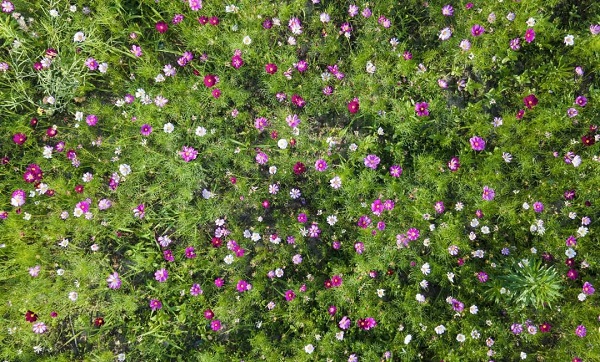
(459,206)
(207,194)
(228,259)
(420,298)
(474,223)
(159,78)
(282,143)
(460,337)
(370,67)
(79,37)
(450,277)
(339,336)
(445,34)
(255,237)
(425,269)
(523,355)
(525,206)
(424,284)
(394,42)
(272,170)
(569,40)
(440,329)
(408,338)
(47,152)
(332,220)
(73,296)
(279,272)
(121,357)
(353,147)
(64,242)
(309,348)
(168,127)
(576,161)
(87,177)
(231,9)
(570,253)
(581,297)
(530,22)
(473,309)
(582,231)
(475,334)
(247,40)
(200,131)
(507,157)
(472,236)
(336,182)
(103,67)
(26,216)
(54,13)
(380,293)
(124,169)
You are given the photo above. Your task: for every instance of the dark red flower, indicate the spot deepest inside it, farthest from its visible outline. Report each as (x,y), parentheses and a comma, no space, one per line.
(19,138)
(99,322)
(79,189)
(209,314)
(298,101)
(520,114)
(588,140)
(51,132)
(203,20)
(216,242)
(545,327)
(51,53)
(30,316)
(328,284)
(33,122)
(299,168)
(530,101)
(570,262)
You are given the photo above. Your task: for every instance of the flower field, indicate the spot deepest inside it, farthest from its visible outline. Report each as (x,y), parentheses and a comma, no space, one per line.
(305,180)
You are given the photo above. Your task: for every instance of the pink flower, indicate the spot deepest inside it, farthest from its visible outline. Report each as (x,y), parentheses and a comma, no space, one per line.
(321,165)
(195,4)
(161,275)
(371,161)
(136,50)
(113,280)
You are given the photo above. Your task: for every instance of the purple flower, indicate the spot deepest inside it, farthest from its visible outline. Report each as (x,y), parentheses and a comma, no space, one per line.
(371,161)
(136,50)
(516,328)
(91,119)
(588,288)
(482,277)
(581,101)
(146,129)
(580,331)
(447,10)
(488,194)
(457,305)
(195,290)
(302,218)
(332,310)
(190,253)
(364,222)
(39,328)
(155,304)
(188,153)
(477,30)
(161,275)
(262,158)
(538,207)
(297,259)
(439,207)
(572,112)
(395,171)
(477,143)
(321,165)
(454,164)
(113,280)
(260,123)
(595,29)
(422,109)
(571,241)
(345,323)
(168,255)
(515,44)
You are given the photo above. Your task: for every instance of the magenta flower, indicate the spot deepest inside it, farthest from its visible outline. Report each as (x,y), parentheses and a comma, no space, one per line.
(190,252)
(113,280)
(371,161)
(209,314)
(91,119)
(146,129)
(336,281)
(412,234)
(215,325)
(588,288)
(332,310)
(19,138)
(377,207)
(237,61)
(366,323)
(161,275)
(321,165)
(271,68)
(364,222)
(538,207)
(219,282)
(242,286)
(161,27)
(290,295)
(529,35)
(395,171)
(188,153)
(168,255)
(580,331)
(261,123)
(477,30)
(422,109)
(477,143)
(353,106)
(155,304)
(488,194)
